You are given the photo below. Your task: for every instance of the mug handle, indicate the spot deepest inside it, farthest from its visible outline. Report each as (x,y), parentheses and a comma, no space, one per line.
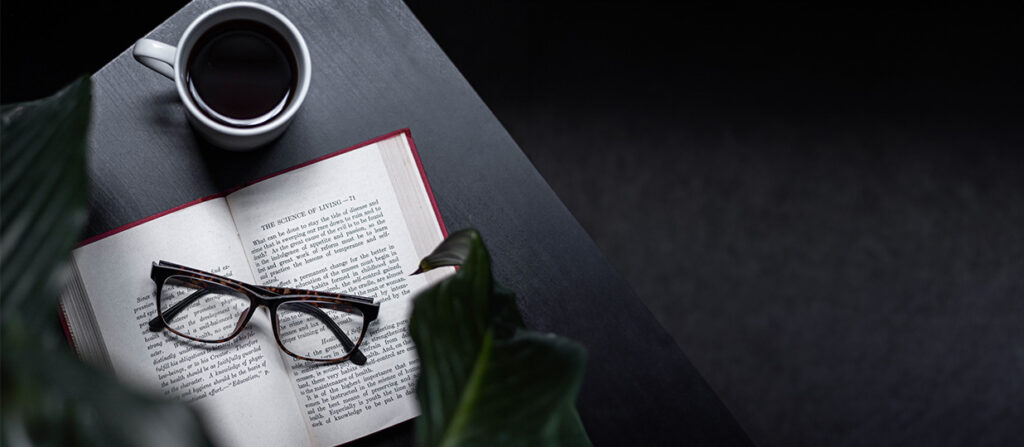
(156,55)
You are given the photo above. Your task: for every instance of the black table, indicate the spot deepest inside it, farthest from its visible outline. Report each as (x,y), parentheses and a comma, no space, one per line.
(375,69)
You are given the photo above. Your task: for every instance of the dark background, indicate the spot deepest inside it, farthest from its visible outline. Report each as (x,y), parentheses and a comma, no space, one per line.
(823,205)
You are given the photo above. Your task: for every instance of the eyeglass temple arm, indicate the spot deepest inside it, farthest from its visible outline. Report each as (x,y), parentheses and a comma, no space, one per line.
(357,357)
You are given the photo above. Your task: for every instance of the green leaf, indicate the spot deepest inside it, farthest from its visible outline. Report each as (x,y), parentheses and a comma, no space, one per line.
(453,251)
(43,187)
(484,379)
(49,396)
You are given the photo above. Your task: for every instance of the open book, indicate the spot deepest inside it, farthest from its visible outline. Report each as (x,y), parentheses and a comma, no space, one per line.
(356,221)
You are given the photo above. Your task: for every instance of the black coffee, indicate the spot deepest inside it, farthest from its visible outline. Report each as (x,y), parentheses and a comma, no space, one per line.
(241,73)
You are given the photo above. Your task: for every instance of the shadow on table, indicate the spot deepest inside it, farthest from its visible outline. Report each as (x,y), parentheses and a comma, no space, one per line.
(228,169)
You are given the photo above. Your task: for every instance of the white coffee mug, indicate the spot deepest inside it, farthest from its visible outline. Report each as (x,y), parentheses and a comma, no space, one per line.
(171,62)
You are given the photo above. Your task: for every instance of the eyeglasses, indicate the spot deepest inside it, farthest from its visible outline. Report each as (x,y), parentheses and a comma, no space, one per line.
(308,325)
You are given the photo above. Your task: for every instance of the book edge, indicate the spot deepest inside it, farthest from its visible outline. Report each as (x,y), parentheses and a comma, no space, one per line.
(426,184)
(67,329)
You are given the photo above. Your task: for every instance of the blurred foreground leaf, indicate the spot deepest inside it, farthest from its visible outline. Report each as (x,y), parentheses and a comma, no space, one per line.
(49,396)
(484,378)
(452,251)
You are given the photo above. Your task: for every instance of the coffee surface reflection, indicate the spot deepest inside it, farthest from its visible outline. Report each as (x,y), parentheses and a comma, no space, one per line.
(241,73)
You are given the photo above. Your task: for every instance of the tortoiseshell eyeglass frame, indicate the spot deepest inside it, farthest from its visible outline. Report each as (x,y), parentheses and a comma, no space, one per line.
(271,297)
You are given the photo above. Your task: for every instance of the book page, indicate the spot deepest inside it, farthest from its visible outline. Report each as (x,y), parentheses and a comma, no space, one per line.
(355,223)
(240,388)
